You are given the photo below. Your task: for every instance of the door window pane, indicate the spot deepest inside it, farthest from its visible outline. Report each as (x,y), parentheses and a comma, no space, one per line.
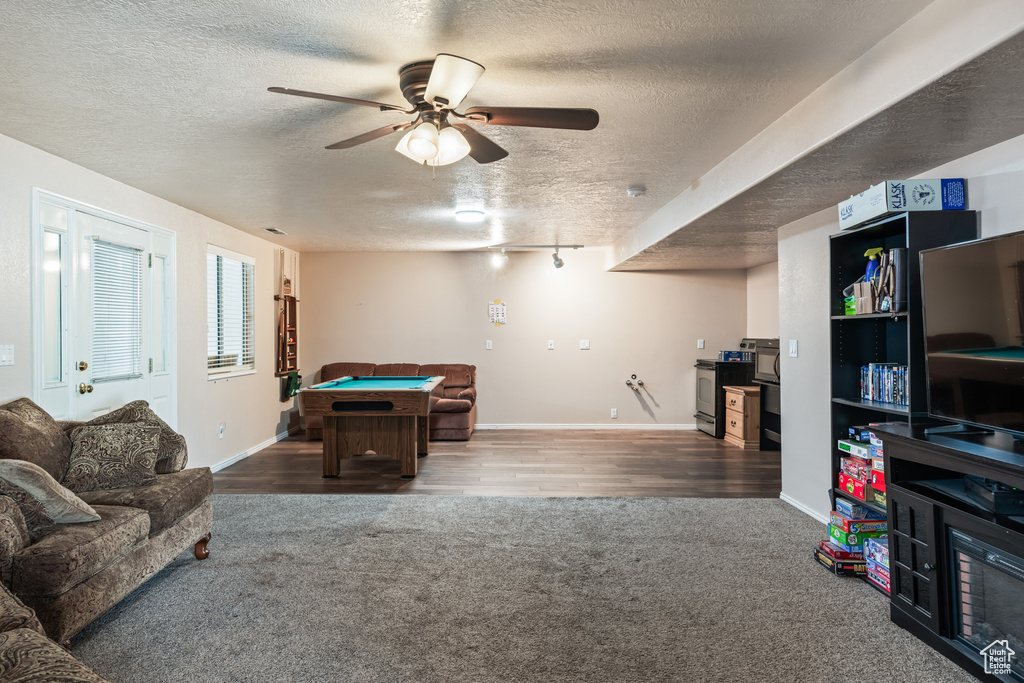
(53,311)
(159,313)
(117,312)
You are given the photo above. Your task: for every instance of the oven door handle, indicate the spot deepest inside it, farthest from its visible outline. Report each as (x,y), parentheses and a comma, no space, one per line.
(778,357)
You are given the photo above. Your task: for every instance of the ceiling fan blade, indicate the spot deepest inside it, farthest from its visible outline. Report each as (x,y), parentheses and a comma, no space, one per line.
(481,148)
(451,79)
(371,135)
(339,98)
(537,117)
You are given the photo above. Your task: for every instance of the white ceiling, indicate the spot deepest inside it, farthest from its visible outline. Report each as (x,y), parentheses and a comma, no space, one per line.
(171,98)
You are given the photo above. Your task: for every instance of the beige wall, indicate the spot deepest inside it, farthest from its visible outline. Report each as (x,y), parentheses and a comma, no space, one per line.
(432,307)
(763,301)
(995,177)
(248,405)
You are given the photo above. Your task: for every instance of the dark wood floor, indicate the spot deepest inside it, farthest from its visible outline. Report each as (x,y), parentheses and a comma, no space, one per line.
(527,463)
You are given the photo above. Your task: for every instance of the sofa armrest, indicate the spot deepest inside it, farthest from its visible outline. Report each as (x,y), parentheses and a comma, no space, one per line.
(13,536)
(14,614)
(468,394)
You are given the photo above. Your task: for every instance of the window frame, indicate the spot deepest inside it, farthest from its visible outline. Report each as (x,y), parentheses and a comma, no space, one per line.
(248,292)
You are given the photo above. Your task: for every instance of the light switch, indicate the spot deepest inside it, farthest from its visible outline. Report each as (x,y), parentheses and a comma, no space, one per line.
(584,344)
(7,354)
(551,344)
(792,348)
(488,344)
(700,343)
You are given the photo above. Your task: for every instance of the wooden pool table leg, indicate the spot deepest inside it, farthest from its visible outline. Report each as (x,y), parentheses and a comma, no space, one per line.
(421,436)
(331,466)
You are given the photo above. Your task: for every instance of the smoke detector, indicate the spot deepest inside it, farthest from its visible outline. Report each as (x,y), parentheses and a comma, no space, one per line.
(275,231)
(636,191)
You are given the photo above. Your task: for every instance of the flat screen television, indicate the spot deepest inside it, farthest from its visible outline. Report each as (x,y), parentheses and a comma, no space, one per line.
(973,300)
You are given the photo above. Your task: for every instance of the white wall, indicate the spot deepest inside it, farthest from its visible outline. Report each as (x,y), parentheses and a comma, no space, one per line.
(248,405)
(763,301)
(432,307)
(995,176)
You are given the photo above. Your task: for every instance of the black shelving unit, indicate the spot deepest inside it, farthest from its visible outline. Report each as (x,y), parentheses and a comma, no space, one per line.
(858,340)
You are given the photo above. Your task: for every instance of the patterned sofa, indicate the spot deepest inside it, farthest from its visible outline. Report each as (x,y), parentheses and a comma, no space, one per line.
(452,419)
(90,511)
(26,654)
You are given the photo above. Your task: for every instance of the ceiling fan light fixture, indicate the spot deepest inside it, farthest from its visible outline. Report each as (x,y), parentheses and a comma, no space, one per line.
(423,142)
(451,79)
(451,146)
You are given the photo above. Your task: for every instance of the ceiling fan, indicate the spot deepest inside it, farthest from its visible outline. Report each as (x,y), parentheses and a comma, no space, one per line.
(439,134)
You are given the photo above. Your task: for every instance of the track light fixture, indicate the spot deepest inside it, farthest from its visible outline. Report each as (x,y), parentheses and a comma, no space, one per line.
(532,247)
(498,259)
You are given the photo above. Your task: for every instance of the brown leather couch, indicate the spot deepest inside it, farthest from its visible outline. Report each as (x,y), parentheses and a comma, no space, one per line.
(452,419)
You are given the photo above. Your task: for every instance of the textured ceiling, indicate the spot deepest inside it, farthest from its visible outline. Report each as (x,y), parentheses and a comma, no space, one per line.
(973,107)
(172,98)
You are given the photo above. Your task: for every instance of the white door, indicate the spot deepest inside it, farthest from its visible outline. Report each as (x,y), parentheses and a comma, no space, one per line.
(111,348)
(105,324)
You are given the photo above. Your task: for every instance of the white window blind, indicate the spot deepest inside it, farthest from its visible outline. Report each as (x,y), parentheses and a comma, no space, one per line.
(230,337)
(117,312)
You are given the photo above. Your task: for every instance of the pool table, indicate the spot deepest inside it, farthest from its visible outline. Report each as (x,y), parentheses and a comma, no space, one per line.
(386,415)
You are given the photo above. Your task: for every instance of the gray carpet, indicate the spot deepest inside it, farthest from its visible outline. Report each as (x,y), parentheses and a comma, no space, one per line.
(423,589)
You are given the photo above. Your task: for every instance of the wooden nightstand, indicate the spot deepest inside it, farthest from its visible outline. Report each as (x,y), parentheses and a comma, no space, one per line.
(743,416)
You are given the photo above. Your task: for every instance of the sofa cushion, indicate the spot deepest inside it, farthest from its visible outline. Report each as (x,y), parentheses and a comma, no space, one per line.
(452,405)
(31,656)
(172,452)
(167,500)
(27,432)
(109,456)
(345,369)
(455,374)
(65,555)
(397,370)
(62,505)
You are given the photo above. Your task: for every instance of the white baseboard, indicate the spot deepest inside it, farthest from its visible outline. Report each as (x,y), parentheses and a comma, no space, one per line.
(255,449)
(803,508)
(675,427)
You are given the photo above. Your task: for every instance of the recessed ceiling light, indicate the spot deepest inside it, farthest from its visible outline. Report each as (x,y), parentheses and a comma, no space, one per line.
(469,216)
(275,231)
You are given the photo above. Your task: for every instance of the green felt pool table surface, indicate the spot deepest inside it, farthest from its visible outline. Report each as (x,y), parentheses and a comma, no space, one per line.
(375,383)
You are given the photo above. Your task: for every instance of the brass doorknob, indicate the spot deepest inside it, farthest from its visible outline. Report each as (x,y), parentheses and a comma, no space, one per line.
(84,388)
(82,365)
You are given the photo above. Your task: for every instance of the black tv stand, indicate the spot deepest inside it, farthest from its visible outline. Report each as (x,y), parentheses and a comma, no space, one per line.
(929,511)
(959,428)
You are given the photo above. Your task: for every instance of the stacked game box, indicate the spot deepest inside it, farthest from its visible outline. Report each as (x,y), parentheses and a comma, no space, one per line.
(855,470)
(850,526)
(876,557)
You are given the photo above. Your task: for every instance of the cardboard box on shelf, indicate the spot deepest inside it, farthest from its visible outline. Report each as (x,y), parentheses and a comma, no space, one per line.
(854,448)
(856,468)
(836,553)
(877,481)
(894,196)
(845,539)
(858,488)
(877,550)
(856,511)
(857,526)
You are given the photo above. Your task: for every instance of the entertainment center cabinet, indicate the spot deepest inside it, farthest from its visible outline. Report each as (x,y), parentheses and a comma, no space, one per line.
(956,567)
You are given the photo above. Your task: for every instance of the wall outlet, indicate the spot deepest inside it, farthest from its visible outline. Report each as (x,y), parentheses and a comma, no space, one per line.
(584,344)
(793,351)
(7,354)
(551,344)
(488,344)
(700,343)
(220,430)
(615,413)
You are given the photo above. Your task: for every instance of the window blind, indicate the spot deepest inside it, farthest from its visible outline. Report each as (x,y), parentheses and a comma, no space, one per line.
(230,337)
(117,312)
